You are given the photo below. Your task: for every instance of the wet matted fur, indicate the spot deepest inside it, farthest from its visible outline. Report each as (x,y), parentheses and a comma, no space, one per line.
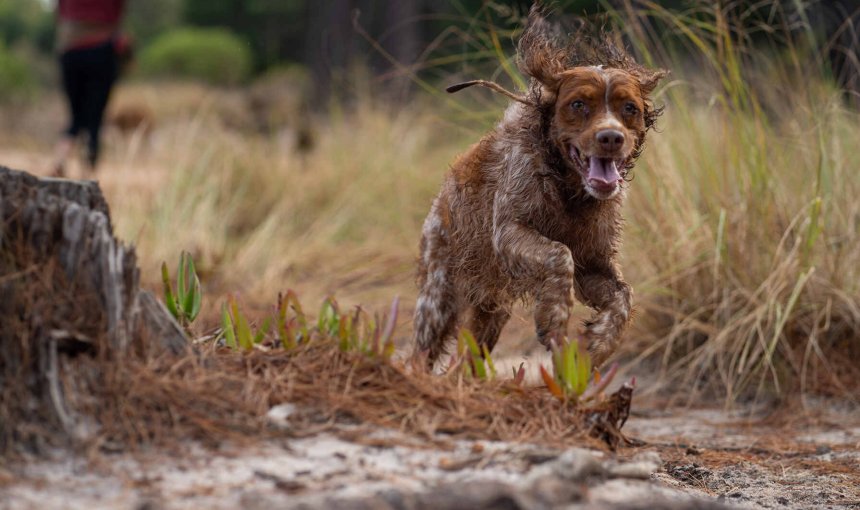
(533,209)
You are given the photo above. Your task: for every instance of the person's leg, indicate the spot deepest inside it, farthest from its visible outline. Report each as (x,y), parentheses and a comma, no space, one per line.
(62,151)
(74,87)
(102,75)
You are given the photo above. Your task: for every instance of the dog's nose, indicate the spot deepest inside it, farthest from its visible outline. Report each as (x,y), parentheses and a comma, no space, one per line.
(610,140)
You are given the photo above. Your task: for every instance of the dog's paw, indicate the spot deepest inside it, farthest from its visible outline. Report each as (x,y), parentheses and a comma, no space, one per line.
(599,351)
(552,340)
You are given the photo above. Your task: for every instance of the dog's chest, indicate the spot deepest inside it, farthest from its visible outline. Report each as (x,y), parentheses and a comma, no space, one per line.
(586,225)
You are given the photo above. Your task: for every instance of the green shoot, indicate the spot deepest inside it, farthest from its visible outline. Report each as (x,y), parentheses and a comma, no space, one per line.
(289,327)
(290,331)
(519,374)
(185,303)
(572,367)
(479,360)
(237,331)
(572,370)
(359,333)
(228,328)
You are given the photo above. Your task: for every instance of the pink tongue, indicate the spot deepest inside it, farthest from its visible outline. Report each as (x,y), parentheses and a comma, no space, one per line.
(603,170)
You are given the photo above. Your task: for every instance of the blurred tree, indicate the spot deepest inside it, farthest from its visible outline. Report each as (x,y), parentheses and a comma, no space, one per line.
(17,18)
(330,42)
(29,21)
(274,28)
(402,36)
(212,55)
(145,19)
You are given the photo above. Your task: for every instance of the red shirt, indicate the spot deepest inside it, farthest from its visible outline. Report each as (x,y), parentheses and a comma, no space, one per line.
(102,12)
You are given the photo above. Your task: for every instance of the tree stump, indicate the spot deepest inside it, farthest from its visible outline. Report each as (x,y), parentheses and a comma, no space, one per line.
(68,288)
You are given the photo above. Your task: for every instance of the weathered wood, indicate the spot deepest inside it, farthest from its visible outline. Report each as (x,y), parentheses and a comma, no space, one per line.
(67,286)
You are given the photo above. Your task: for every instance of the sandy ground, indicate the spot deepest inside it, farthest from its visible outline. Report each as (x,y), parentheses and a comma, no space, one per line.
(793,459)
(703,458)
(327,471)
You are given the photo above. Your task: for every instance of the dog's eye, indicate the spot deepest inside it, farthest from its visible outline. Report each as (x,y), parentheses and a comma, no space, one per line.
(630,109)
(577,105)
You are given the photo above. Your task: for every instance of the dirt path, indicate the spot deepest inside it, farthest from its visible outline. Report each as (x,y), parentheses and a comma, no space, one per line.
(370,470)
(692,459)
(792,459)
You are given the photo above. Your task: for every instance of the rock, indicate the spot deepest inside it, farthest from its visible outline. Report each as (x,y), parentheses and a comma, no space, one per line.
(572,465)
(539,455)
(447,464)
(689,473)
(479,495)
(279,415)
(642,466)
(552,490)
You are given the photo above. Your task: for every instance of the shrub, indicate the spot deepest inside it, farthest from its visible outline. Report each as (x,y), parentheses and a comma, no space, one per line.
(211,55)
(16,79)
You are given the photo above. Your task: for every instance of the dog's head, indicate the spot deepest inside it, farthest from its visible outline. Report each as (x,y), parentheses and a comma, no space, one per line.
(597,101)
(598,124)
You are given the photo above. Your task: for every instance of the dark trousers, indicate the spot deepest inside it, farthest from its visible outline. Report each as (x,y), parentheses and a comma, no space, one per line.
(88,75)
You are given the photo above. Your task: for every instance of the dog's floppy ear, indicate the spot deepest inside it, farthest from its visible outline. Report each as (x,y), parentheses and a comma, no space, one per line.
(539,53)
(649,78)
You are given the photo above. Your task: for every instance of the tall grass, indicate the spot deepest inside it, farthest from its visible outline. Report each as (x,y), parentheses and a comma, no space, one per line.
(259,217)
(743,217)
(741,238)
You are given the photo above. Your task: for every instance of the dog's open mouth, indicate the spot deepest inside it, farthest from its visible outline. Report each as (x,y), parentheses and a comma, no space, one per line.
(601,174)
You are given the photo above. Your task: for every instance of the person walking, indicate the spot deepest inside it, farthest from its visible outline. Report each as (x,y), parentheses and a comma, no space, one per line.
(89,45)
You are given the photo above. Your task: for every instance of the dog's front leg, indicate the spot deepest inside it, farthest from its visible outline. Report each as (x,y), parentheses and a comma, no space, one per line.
(603,289)
(543,265)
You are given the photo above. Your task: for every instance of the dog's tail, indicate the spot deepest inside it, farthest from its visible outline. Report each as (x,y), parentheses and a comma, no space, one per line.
(490,85)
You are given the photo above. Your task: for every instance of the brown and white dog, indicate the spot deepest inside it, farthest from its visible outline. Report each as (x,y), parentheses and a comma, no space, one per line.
(532,211)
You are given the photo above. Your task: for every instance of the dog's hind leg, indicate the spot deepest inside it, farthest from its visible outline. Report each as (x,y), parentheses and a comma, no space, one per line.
(438,306)
(487,322)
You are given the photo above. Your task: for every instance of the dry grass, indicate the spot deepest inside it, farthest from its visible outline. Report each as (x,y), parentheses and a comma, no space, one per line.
(64,383)
(258,216)
(224,395)
(213,396)
(742,217)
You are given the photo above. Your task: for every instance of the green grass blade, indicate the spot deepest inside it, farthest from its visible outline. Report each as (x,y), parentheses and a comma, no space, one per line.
(197,301)
(188,301)
(229,330)
(261,333)
(180,278)
(489,360)
(191,302)
(292,300)
(583,368)
(480,371)
(388,350)
(282,326)
(243,330)
(169,298)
